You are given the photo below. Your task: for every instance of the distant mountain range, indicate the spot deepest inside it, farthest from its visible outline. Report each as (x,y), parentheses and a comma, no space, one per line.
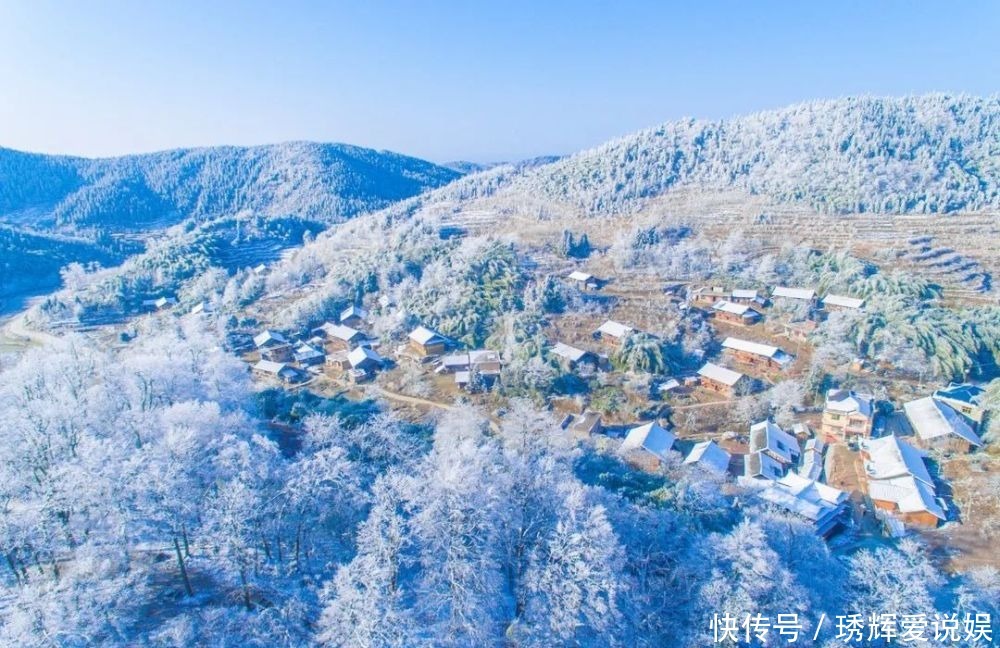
(927,154)
(55,209)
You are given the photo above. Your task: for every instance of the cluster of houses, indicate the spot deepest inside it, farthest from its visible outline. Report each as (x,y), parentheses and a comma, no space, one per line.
(786,469)
(339,348)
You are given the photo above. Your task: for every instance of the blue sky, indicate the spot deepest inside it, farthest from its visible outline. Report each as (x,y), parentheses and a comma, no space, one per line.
(443,80)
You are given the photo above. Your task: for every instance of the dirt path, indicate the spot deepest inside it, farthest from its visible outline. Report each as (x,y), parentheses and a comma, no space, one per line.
(17,329)
(412,400)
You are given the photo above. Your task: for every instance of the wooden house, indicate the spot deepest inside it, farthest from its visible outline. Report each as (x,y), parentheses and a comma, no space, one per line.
(936,425)
(586,425)
(898,482)
(741,314)
(339,337)
(278,353)
(799,294)
(613,333)
(584,280)
(709,456)
(721,380)
(268,338)
(277,371)
(426,343)
(572,358)
(756,354)
(824,507)
(648,445)
(364,360)
(840,302)
(353,316)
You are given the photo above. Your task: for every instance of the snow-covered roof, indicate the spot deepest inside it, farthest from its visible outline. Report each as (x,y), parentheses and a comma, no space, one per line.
(742,293)
(767,435)
(730,307)
(568,352)
(962,392)
(756,348)
(843,302)
(846,401)
(576,275)
(720,374)
(463,377)
(709,455)
(891,457)
(793,293)
(480,356)
(353,311)
(424,335)
(306,352)
(811,466)
(669,384)
(758,464)
(909,494)
(931,419)
(615,329)
(267,337)
(360,354)
(269,367)
(805,497)
(651,437)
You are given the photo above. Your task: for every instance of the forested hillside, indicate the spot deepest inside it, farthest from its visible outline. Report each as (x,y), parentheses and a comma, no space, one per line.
(109,205)
(928,154)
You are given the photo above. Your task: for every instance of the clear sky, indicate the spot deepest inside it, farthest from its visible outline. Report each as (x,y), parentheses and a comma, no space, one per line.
(444,80)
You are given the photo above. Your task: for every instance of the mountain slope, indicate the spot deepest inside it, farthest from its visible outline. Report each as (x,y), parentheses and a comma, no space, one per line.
(108,207)
(928,154)
(326,182)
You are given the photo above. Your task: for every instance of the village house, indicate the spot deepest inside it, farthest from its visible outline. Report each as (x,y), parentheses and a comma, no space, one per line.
(825,507)
(339,337)
(898,481)
(936,425)
(337,361)
(709,294)
(759,466)
(307,355)
(160,303)
(811,466)
(268,338)
(584,280)
(586,425)
(965,399)
(756,354)
(840,302)
(613,333)
(727,311)
(483,361)
(801,294)
(277,371)
(278,353)
(747,296)
(847,414)
(768,438)
(353,316)
(646,446)
(709,456)
(201,307)
(721,380)
(364,363)
(571,357)
(426,343)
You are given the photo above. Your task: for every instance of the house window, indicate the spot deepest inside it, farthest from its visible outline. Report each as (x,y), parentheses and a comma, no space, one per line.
(835,417)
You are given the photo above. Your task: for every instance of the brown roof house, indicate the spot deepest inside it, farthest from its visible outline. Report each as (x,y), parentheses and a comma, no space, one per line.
(721,380)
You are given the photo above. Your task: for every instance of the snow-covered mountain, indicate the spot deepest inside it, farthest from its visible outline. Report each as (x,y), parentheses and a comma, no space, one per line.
(59,209)
(325,182)
(927,154)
